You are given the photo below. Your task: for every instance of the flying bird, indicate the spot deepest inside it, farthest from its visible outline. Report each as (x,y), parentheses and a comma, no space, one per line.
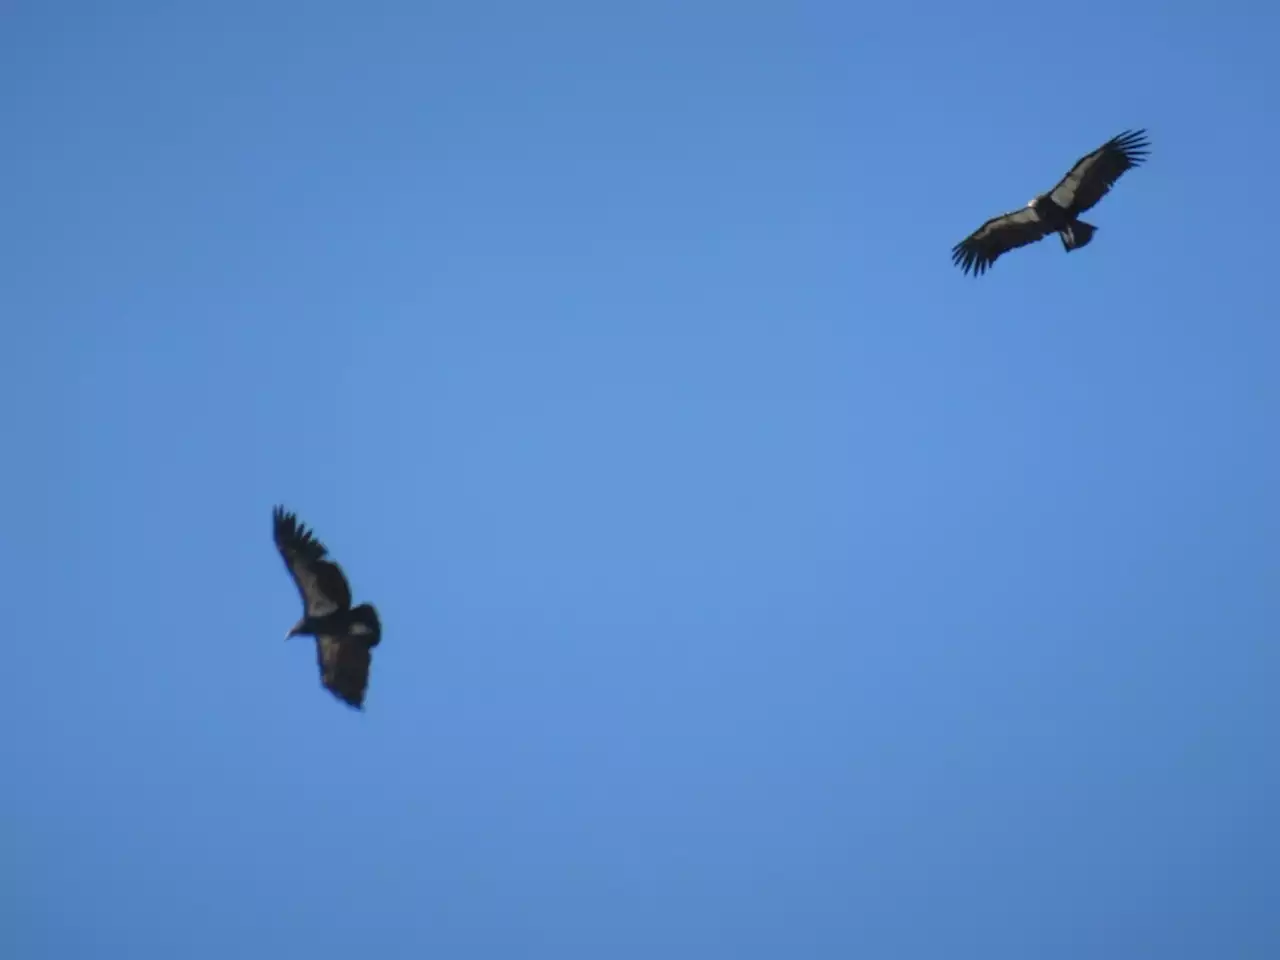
(1057,211)
(345,637)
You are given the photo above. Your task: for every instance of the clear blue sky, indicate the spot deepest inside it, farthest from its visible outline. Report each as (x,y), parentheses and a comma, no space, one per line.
(754,584)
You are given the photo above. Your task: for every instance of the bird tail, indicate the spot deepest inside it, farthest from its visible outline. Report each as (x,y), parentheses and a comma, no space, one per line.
(1076,235)
(364,624)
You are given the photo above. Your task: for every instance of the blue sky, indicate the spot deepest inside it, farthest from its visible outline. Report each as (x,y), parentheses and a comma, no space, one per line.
(754,584)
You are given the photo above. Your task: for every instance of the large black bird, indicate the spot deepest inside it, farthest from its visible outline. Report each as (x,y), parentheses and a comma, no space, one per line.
(344,636)
(1057,211)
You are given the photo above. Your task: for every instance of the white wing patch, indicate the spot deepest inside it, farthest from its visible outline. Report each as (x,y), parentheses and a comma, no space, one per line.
(1065,193)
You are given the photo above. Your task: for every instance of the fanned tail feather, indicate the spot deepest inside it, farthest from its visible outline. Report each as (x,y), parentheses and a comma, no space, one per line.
(1076,235)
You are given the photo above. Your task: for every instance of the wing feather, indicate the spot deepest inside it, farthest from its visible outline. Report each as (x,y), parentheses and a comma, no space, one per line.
(344,667)
(320,581)
(978,251)
(1096,173)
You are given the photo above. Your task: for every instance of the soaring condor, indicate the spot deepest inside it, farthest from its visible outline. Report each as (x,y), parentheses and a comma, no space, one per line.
(1057,211)
(344,636)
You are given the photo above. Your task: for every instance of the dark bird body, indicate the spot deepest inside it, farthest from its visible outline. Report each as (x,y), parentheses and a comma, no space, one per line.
(1057,211)
(345,636)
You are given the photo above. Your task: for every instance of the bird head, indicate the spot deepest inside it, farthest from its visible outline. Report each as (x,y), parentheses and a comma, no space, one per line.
(296,629)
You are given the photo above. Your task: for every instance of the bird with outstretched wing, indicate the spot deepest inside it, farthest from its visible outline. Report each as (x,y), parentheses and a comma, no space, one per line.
(1057,211)
(345,636)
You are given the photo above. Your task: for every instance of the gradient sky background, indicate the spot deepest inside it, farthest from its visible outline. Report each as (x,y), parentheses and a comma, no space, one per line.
(754,584)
